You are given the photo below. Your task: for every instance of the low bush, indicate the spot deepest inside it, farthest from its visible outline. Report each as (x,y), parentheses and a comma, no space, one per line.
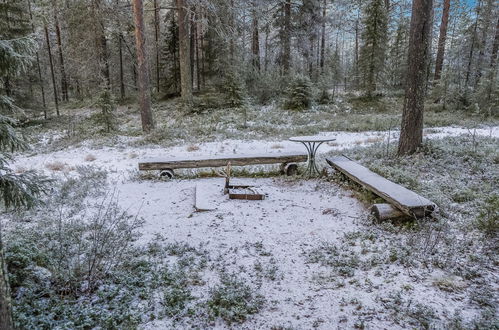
(298,94)
(233,300)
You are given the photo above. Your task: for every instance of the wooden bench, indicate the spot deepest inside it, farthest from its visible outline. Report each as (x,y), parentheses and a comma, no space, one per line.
(403,199)
(166,166)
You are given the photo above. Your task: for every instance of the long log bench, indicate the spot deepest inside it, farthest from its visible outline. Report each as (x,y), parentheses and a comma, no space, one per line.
(404,201)
(166,166)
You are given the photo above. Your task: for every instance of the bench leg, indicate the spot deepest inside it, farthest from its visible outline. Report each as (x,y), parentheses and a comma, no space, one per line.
(167,173)
(289,169)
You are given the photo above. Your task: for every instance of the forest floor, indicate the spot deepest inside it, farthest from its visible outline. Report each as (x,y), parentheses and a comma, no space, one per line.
(308,256)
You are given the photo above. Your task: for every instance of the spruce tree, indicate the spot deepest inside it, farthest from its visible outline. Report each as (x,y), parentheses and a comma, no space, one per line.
(374,44)
(16,190)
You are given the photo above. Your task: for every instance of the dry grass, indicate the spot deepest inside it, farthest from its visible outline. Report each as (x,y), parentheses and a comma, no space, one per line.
(374,139)
(277,146)
(133,155)
(192,148)
(56,166)
(20,170)
(90,158)
(333,144)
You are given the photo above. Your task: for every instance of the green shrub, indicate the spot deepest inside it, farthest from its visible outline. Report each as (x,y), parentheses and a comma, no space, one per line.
(234,89)
(233,300)
(299,94)
(107,117)
(488,218)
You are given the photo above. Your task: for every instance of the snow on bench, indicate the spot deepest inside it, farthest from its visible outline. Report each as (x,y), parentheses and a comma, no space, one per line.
(220,161)
(402,198)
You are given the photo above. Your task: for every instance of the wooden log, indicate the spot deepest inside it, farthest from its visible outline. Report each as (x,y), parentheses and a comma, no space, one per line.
(160,164)
(384,212)
(402,198)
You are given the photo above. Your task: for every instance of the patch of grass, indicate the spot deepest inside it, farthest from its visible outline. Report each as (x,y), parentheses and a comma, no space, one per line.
(233,300)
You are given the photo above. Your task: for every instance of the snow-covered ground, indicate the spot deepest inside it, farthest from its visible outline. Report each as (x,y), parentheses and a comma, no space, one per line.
(296,217)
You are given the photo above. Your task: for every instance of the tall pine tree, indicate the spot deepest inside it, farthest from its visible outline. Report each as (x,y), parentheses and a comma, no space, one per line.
(374,44)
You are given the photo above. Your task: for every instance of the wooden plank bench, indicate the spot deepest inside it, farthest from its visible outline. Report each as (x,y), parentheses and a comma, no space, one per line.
(405,200)
(166,166)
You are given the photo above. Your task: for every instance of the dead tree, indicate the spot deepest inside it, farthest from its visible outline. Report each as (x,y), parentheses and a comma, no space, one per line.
(411,134)
(442,39)
(143,69)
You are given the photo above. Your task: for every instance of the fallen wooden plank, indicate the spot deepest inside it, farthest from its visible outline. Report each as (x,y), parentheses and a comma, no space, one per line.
(246,193)
(384,212)
(215,161)
(402,198)
(205,197)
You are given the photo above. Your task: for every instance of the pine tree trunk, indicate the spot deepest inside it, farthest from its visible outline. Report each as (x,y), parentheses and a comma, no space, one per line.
(49,51)
(192,46)
(40,79)
(101,43)
(442,39)
(286,41)
(156,39)
(62,69)
(6,322)
(472,47)
(120,51)
(411,134)
(489,8)
(184,52)
(255,40)
(196,46)
(323,36)
(493,55)
(143,69)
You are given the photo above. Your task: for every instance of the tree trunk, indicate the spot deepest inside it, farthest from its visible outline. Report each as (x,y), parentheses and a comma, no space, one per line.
(143,69)
(64,81)
(472,47)
(323,36)
(49,51)
(122,82)
(101,43)
(192,45)
(411,134)
(156,39)
(493,55)
(184,52)
(6,322)
(255,40)
(441,40)
(286,41)
(486,22)
(40,79)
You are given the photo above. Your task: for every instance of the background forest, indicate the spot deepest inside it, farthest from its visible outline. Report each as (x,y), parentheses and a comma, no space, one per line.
(251,51)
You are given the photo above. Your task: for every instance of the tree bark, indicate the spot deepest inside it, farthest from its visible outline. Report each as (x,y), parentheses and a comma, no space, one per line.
(472,47)
(40,79)
(184,52)
(286,38)
(442,39)
(64,80)
(156,39)
(323,36)
(6,322)
(493,55)
(493,63)
(101,42)
(411,134)
(255,40)
(49,51)
(143,69)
